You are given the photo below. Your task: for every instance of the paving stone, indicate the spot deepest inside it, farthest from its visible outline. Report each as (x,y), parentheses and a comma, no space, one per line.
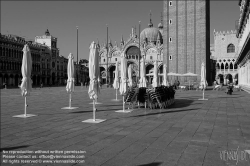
(187,133)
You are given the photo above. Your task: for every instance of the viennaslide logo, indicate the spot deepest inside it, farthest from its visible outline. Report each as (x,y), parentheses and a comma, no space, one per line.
(235,155)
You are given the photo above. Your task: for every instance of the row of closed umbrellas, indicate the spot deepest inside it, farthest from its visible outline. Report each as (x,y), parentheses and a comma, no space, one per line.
(94,75)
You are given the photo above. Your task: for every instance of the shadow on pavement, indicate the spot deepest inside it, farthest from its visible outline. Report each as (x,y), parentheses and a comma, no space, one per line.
(151,164)
(180,103)
(229,96)
(165,112)
(77,112)
(13,148)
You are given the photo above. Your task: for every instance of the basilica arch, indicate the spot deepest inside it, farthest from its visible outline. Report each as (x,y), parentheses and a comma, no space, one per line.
(132,52)
(111,71)
(149,72)
(135,70)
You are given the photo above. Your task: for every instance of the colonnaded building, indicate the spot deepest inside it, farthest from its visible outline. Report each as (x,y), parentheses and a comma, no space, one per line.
(243,33)
(151,46)
(186,36)
(225,54)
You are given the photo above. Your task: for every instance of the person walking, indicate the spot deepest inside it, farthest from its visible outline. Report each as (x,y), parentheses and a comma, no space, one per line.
(41,85)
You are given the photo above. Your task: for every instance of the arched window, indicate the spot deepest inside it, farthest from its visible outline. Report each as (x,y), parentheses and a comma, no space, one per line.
(222,66)
(231,65)
(218,66)
(226,66)
(230,48)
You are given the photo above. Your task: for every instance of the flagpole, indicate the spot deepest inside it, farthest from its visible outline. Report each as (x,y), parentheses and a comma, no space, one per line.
(116,95)
(25,107)
(70,100)
(77,56)
(107,58)
(139,49)
(94,110)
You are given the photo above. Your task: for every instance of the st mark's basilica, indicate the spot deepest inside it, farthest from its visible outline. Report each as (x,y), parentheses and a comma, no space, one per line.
(151,39)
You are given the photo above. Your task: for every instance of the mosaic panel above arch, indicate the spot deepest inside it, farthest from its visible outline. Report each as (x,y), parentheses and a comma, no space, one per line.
(116,53)
(152,51)
(133,50)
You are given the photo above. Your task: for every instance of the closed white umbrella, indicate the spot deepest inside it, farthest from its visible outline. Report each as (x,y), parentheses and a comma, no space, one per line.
(165,81)
(203,82)
(143,81)
(124,81)
(155,79)
(70,87)
(130,81)
(116,81)
(94,73)
(26,85)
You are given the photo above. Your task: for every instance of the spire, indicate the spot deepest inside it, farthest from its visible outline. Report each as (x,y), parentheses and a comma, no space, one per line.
(150,21)
(135,32)
(160,25)
(158,37)
(98,46)
(110,44)
(122,41)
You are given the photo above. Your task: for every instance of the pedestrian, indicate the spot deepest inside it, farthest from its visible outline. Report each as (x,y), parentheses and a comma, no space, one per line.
(215,83)
(4,85)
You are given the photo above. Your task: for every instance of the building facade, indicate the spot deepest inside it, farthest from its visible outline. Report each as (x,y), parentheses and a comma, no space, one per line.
(243,33)
(186,36)
(225,54)
(54,67)
(48,67)
(11,48)
(151,47)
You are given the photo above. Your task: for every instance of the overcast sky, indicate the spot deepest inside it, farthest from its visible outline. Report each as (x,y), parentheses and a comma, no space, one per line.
(32,18)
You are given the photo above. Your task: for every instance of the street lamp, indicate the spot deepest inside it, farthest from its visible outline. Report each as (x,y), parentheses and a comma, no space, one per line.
(77,56)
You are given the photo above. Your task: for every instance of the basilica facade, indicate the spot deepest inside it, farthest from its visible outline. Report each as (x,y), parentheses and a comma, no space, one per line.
(151,47)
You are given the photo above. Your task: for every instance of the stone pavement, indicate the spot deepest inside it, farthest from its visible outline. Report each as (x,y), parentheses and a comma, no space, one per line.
(189,133)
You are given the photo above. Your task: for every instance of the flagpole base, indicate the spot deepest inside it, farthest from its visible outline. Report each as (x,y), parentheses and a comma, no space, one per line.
(94,120)
(24,116)
(202,99)
(115,100)
(124,111)
(69,108)
(95,103)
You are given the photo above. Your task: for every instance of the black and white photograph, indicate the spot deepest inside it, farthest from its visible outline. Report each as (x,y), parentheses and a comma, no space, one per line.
(125,83)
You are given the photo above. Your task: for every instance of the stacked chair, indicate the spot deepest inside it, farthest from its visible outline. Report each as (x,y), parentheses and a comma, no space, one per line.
(131,96)
(159,97)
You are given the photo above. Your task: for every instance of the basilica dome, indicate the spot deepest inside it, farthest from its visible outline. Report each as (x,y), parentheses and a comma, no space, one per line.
(151,34)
